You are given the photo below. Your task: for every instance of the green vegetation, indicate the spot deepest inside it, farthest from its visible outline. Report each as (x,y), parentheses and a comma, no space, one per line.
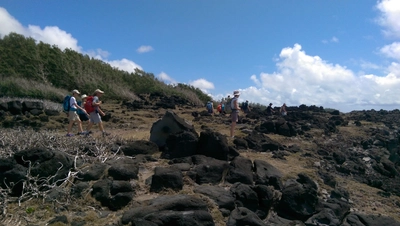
(30,210)
(38,70)
(329,110)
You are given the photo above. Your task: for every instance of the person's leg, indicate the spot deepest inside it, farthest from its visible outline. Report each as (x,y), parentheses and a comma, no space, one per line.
(71,123)
(92,120)
(89,126)
(101,127)
(234,120)
(74,117)
(79,126)
(87,122)
(233,128)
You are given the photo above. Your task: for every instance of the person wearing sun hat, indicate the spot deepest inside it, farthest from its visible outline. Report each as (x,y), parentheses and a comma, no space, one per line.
(234,104)
(82,115)
(72,114)
(95,116)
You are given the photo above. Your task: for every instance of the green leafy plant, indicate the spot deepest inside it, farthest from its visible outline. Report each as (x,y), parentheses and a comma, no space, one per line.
(30,210)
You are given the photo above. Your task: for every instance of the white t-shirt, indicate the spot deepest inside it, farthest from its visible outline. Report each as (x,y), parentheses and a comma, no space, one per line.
(96,100)
(72,102)
(233,106)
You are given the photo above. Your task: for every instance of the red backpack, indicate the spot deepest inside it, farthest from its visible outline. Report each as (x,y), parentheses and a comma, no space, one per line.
(89,105)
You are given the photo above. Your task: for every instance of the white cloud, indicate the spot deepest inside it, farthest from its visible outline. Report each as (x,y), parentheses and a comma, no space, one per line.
(368,65)
(54,36)
(202,84)
(166,78)
(255,80)
(392,50)
(304,79)
(125,65)
(394,68)
(144,49)
(333,39)
(98,54)
(390,17)
(9,24)
(50,34)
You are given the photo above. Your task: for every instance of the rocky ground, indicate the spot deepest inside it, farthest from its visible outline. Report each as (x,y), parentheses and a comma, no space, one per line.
(169,163)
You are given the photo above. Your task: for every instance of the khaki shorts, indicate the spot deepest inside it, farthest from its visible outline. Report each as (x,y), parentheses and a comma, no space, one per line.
(73,116)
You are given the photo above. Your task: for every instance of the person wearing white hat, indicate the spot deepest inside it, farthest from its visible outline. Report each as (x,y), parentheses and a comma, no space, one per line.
(95,116)
(235,111)
(72,114)
(82,115)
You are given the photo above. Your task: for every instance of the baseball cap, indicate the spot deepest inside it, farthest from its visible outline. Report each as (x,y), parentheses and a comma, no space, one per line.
(75,91)
(98,91)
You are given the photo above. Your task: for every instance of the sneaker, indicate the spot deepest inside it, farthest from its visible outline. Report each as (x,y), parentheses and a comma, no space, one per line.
(70,135)
(82,133)
(105,134)
(89,132)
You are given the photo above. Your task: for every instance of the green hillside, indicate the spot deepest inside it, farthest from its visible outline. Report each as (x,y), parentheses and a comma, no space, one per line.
(29,68)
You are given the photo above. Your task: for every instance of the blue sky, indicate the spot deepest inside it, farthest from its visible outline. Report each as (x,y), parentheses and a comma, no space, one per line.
(339,54)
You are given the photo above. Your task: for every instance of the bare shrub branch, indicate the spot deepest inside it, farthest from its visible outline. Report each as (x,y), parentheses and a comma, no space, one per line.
(86,149)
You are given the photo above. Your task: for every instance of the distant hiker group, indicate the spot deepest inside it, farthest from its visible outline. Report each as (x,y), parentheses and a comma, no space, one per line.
(232,106)
(88,109)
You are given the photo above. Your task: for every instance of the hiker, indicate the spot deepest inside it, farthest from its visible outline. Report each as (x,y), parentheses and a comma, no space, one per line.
(72,114)
(219,108)
(246,107)
(234,104)
(210,107)
(83,116)
(270,111)
(228,104)
(95,115)
(223,108)
(283,110)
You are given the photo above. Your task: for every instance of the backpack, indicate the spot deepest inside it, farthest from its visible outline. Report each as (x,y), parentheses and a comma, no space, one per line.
(219,108)
(79,111)
(89,105)
(209,106)
(66,104)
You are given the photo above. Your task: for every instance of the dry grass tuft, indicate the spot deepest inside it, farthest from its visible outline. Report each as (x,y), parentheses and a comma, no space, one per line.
(21,86)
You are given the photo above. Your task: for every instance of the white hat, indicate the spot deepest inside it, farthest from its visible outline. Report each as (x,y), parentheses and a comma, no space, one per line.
(236,93)
(98,91)
(83,96)
(75,91)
